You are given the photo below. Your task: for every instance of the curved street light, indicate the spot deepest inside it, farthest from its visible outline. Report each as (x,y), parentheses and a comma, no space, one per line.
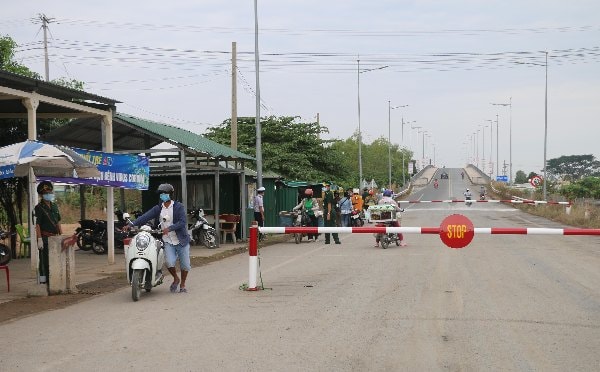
(358,72)
(509,104)
(390,108)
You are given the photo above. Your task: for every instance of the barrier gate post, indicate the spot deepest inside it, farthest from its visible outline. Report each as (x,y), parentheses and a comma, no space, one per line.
(253,259)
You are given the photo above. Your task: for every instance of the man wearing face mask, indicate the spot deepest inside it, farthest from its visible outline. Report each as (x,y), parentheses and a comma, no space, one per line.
(47,223)
(175,234)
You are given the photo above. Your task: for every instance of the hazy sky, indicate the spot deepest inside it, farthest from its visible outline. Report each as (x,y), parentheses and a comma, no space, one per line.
(169,61)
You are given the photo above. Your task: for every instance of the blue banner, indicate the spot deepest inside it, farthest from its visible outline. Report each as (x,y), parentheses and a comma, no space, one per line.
(502,178)
(128,171)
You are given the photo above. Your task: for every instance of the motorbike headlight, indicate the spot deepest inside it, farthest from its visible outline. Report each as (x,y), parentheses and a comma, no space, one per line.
(142,241)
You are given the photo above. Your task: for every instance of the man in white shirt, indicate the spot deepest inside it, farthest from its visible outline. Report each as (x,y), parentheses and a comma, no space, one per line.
(259,207)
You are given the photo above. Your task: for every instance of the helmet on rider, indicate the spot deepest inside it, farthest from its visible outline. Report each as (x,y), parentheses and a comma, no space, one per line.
(387,193)
(308,192)
(165,188)
(467,189)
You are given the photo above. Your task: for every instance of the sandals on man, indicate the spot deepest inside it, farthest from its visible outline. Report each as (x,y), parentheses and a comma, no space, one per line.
(182,290)
(173,287)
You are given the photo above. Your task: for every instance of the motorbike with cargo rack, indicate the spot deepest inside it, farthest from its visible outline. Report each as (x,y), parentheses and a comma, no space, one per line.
(386,215)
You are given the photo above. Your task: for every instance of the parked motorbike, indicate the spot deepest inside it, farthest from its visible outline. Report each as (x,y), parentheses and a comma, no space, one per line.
(4,249)
(355,219)
(93,234)
(100,237)
(201,232)
(144,259)
(85,234)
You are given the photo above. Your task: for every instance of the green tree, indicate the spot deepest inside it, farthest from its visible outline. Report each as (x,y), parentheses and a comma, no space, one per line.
(574,167)
(7,62)
(520,177)
(289,147)
(587,187)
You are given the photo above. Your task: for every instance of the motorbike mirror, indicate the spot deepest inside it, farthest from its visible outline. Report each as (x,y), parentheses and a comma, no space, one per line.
(166,218)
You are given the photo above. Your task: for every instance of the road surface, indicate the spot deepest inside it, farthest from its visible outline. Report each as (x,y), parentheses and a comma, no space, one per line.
(505,302)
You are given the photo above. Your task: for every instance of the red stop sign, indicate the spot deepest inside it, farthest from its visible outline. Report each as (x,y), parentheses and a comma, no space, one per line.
(456,231)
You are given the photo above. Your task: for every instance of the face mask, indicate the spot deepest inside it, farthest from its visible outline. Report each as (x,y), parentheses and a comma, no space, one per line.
(48,197)
(165,197)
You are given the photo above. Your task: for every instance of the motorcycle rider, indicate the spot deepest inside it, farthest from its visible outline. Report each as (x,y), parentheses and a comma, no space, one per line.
(482,192)
(175,234)
(310,206)
(357,200)
(387,199)
(468,196)
(435,183)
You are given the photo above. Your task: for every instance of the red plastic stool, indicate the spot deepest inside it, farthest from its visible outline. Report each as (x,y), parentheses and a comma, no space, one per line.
(5,268)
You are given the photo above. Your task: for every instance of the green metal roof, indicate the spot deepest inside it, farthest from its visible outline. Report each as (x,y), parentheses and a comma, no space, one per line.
(184,137)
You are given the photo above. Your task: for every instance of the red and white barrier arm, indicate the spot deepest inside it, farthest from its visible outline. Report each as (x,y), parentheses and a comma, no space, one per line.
(425,230)
(456,231)
(485,201)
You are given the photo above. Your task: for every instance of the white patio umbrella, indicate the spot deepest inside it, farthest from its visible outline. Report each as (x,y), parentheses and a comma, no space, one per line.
(34,158)
(45,160)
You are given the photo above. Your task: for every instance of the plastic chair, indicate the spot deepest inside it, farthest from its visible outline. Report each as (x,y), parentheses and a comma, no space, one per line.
(229,226)
(5,268)
(25,245)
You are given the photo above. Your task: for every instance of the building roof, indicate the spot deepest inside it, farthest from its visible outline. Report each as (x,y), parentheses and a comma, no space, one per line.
(133,133)
(13,105)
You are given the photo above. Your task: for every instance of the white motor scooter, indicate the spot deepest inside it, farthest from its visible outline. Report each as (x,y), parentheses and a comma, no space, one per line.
(144,259)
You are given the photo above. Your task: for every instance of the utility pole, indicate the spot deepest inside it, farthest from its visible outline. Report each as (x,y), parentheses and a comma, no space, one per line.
(234,126)
(258,127)
(497,133)
(359,133)
(509,104)
(545,129)
(45,21)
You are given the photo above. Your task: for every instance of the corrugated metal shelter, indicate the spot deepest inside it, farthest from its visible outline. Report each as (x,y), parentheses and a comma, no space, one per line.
(191,156)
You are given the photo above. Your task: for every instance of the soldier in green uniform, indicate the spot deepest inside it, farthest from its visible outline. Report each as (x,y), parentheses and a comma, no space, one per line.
(329,213)
(47,224)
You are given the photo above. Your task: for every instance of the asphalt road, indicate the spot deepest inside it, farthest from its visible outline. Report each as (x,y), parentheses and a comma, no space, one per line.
(505,302)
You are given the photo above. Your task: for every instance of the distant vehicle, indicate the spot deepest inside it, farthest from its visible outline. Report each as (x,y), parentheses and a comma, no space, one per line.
(443,176)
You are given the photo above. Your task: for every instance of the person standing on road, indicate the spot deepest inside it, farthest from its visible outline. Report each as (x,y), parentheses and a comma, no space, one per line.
(175,234)
(259,207)
(345,209)
(329,213)
(336,206)
(47,217)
